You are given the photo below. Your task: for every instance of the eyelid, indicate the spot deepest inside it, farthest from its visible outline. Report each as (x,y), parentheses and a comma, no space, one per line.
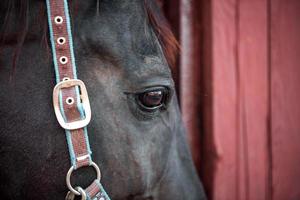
(140,86)
(149,109)
(151,88)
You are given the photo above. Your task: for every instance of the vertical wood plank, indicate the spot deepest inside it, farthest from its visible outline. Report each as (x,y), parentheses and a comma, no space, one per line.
(236,163)
(210,155)
(285,54)
(220,103)
(254,100)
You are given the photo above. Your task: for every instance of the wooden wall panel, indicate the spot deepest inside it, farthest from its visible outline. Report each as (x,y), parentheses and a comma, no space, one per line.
(224,93)
(285,63)
(240,95)
(236,109)
(253,86)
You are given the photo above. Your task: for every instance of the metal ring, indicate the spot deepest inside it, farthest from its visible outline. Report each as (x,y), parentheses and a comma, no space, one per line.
(61,40)
(63,60)
(82,192)
(71,196)
(58,20)
(70,100)
(68,177)
(66,78)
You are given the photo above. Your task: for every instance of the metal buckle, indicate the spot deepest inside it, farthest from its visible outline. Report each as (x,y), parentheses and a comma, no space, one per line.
(85,103)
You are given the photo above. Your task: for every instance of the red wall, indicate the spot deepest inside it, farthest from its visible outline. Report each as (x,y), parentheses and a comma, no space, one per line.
(285,96)
(239,85)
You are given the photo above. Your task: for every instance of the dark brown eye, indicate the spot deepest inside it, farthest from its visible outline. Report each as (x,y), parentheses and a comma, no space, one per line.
(153,99)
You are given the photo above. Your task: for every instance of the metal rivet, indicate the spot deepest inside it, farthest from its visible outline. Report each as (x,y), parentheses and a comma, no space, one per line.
(61,40)
(66,78)
(63,60)
(70,100)
(58,20)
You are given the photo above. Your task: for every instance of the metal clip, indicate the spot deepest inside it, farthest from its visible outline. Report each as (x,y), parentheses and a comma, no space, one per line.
(71,196)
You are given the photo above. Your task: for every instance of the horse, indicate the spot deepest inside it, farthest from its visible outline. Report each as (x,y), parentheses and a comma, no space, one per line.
(124,53)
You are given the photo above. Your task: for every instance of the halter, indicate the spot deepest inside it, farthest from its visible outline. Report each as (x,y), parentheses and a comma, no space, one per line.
(70,100)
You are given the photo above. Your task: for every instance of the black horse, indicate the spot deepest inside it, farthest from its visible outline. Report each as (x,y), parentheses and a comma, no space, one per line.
(123,51)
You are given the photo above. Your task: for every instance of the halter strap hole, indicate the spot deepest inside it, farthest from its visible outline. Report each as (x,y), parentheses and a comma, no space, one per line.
(58,20)
(70,100)
(63,60)
(61,40)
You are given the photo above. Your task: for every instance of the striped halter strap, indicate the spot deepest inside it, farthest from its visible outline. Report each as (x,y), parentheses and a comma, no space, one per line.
(70,100)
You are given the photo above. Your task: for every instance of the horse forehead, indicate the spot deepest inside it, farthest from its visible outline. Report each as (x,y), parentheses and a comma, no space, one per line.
(110,13)
(108,6)
(117,4)
(111,20)
(124,38)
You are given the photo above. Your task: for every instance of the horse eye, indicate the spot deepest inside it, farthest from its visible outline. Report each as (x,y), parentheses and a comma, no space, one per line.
(153,99)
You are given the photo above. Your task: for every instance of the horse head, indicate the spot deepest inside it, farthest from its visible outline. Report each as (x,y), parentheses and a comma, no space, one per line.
(123,52)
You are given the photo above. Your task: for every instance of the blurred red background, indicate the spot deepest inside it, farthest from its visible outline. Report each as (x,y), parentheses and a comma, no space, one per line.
(238,79)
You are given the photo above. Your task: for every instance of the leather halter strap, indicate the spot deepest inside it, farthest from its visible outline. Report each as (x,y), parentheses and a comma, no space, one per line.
(70,98)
